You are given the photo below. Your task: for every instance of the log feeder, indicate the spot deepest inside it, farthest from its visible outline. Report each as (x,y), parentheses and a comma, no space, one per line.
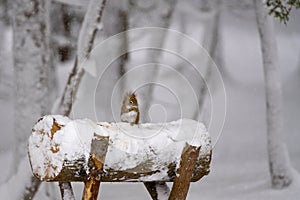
(65,150)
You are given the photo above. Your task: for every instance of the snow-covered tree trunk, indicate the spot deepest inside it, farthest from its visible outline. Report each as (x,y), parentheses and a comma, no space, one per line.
(182,29)
(279,163)
(31,63)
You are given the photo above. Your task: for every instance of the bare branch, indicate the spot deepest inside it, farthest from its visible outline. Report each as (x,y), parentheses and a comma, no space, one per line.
(81,3)
(86,40)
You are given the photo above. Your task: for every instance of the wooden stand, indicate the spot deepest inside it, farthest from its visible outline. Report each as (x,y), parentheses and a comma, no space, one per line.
(66,144)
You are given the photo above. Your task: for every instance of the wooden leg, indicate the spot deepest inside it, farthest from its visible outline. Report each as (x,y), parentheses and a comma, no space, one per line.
(184,173)
(96,162)
(91,190)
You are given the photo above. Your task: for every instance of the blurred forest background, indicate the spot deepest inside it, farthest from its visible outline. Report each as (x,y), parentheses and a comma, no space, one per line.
(44,70)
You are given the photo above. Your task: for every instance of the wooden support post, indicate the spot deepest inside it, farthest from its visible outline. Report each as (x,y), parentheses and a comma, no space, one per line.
(91,189)
(185,171)
(96,162)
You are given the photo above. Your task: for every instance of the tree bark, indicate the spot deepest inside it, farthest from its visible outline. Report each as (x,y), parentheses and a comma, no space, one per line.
(279,163)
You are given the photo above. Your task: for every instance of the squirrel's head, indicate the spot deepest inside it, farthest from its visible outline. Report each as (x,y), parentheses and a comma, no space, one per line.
(130,101)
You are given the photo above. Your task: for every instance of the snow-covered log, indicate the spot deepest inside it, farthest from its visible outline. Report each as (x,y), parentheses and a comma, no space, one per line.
(61,149)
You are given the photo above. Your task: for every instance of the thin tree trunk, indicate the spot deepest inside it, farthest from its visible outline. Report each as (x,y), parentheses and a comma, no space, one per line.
(211,44)
(116,21)
(182,28)
(31,65)
(165,21)
(31,190)
(279,163)
(124,58)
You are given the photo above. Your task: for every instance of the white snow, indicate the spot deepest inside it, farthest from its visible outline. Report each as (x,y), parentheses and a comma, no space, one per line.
(162,142)
(239,167)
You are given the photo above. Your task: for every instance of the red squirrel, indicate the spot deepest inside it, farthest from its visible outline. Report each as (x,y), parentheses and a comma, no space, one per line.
(130,111)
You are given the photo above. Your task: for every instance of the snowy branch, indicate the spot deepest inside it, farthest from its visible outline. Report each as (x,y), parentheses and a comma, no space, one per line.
(60,149)
(81,3)
(87,35)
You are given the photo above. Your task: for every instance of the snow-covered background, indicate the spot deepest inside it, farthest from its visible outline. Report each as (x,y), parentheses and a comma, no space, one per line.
(239,168)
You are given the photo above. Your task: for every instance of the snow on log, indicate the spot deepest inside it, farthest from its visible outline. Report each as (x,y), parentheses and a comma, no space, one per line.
(60,149)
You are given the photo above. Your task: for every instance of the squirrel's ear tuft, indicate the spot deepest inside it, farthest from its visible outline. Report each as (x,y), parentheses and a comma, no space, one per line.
(131,93)
(134,93)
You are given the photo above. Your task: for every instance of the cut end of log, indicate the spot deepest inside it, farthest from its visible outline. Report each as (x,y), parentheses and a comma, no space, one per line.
(44,151)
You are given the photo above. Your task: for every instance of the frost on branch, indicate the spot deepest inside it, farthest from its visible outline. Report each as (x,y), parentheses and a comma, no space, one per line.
(60,149)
